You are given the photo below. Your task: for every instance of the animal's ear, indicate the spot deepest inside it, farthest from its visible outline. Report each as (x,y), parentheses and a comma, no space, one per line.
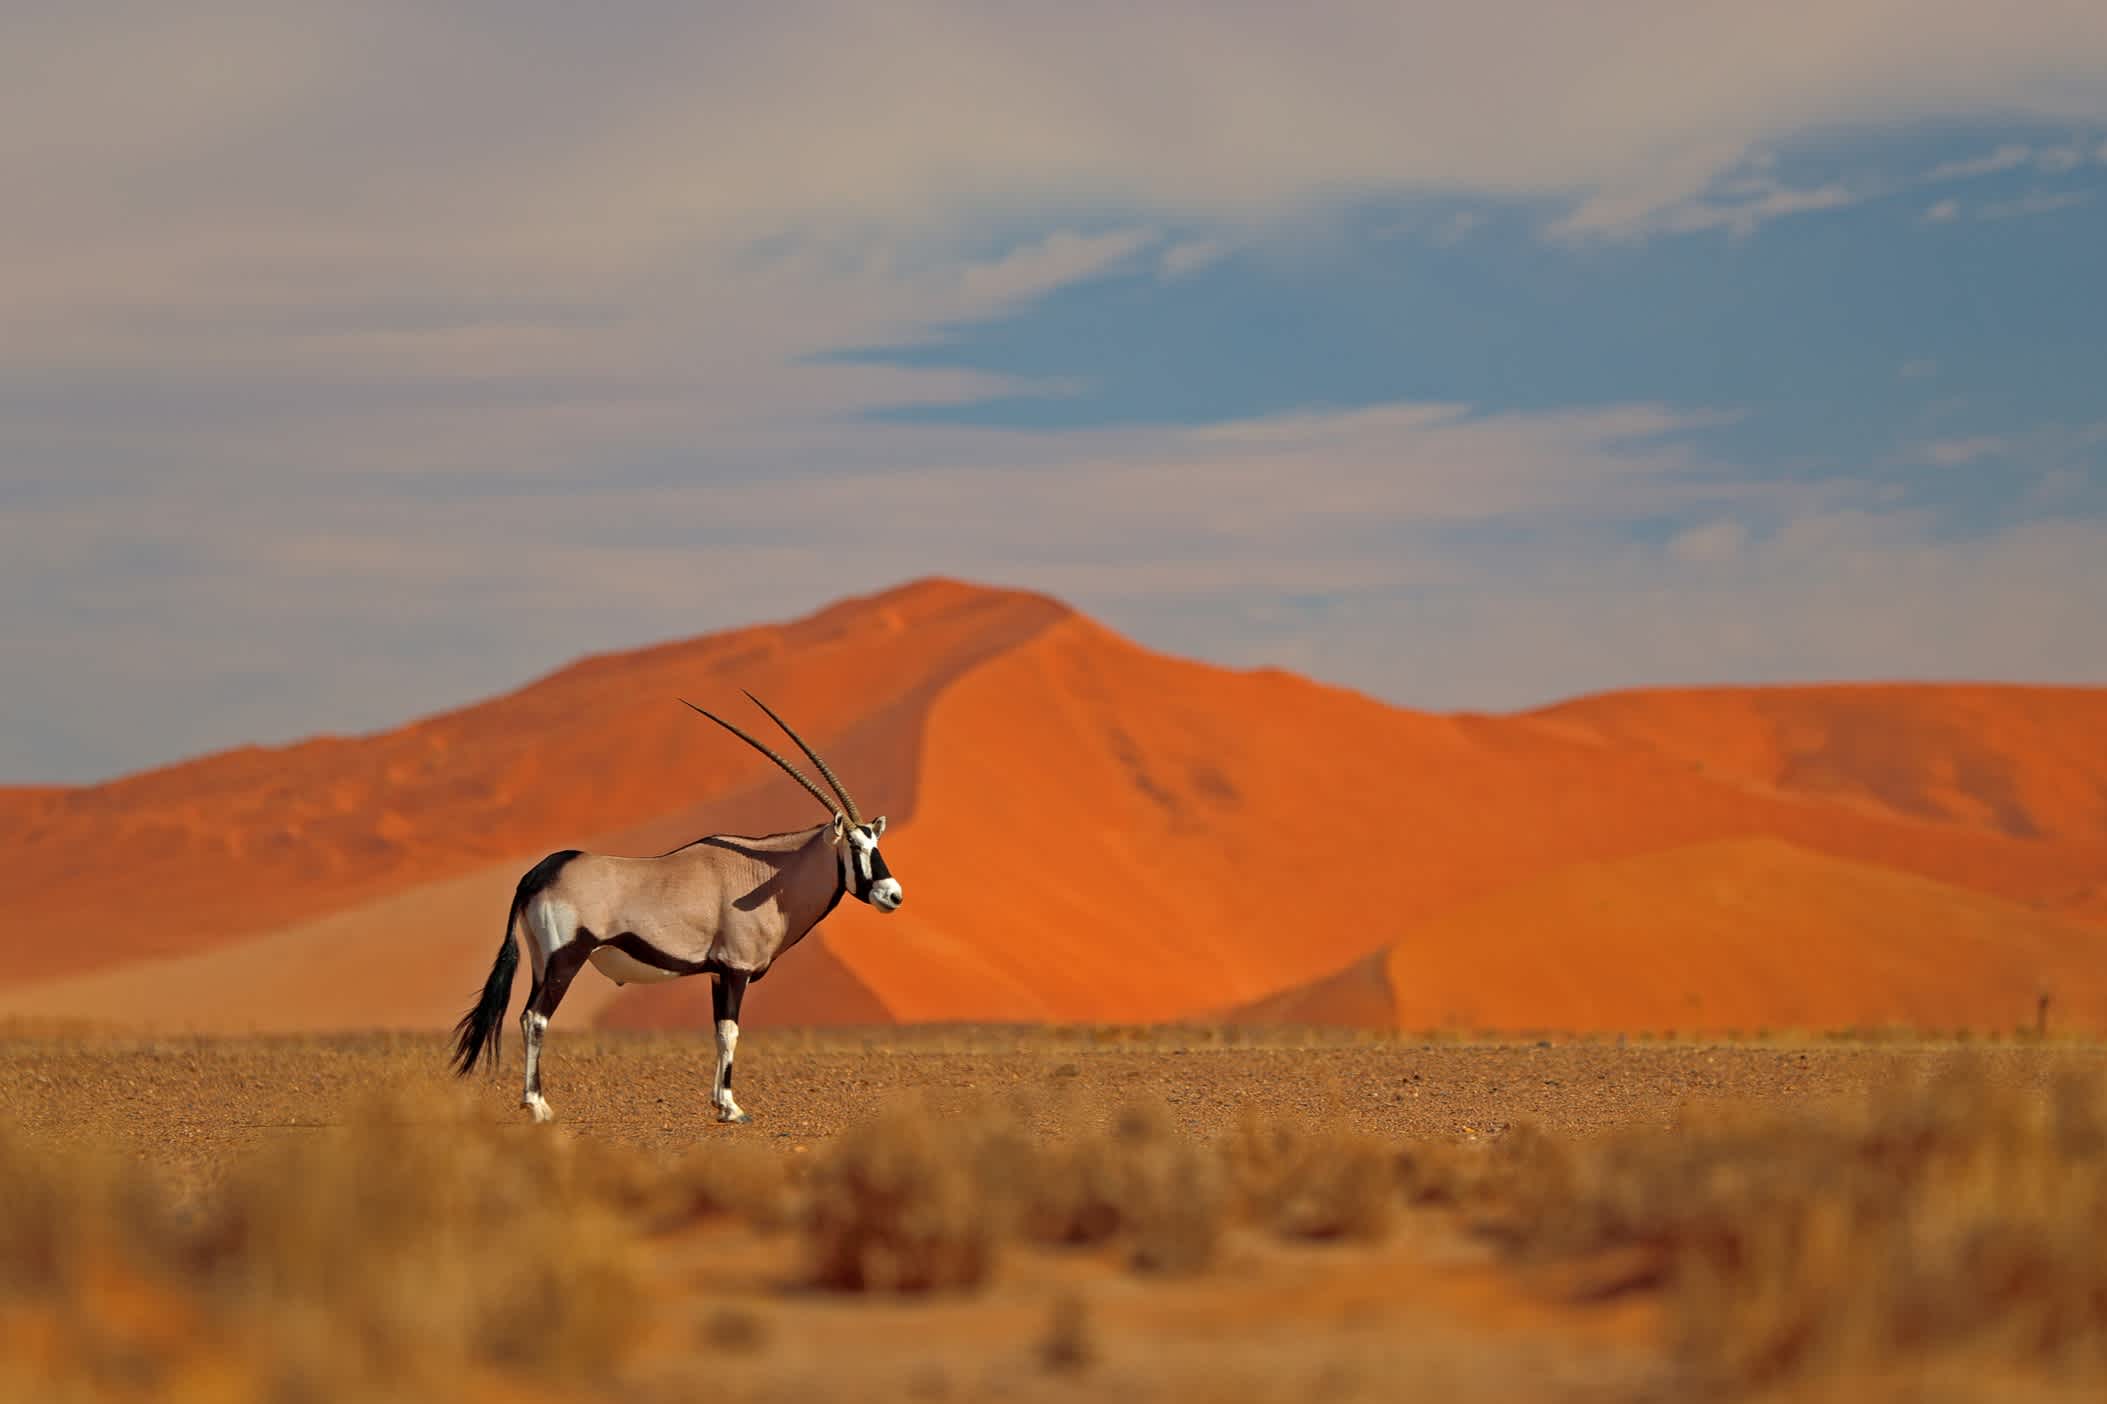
(877,826)
(840,824)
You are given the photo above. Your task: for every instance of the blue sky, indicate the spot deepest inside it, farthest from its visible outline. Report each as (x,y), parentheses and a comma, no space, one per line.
(363,360)
(1956,308)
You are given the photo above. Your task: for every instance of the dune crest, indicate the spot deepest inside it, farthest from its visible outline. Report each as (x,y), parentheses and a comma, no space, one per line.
(215,850)
(2023,761)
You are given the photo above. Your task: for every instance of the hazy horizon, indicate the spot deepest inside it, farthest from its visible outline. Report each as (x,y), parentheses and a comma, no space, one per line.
(449,706)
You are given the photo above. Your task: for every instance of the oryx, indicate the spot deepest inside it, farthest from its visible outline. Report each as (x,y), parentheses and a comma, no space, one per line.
(722,906)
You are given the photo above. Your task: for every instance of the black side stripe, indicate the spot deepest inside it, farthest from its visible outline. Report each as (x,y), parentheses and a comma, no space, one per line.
(643,952)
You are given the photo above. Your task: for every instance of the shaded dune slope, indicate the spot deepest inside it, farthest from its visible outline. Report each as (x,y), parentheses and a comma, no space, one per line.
(1726,936)
(1110,833)
(2026,762)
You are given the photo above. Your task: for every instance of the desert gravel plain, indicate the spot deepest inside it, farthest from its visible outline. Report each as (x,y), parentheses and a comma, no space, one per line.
(190,1104)
(1179,1213)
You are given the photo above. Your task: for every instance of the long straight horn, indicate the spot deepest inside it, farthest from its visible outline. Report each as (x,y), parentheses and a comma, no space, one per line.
(839,789)
(791,770)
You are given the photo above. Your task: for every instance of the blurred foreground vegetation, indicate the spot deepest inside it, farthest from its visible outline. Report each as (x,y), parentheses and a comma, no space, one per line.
(1938,1237)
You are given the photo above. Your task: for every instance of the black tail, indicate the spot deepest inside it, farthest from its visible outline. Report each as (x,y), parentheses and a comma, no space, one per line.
(482,1024)
(479,1026)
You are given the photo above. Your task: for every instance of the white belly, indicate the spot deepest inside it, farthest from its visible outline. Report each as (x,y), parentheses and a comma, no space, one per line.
(625,969)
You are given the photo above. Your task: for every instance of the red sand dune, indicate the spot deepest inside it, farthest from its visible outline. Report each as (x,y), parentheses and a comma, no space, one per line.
(248,841)
(1086,829)
(2028,762)
(1738,935)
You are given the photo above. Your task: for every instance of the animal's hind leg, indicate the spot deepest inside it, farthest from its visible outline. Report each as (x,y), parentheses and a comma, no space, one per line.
(556,973)
(726,995)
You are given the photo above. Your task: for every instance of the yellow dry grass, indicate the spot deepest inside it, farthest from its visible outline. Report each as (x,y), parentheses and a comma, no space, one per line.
(416,1248)
(915,1199)
(1938,1237)
(1940,1232)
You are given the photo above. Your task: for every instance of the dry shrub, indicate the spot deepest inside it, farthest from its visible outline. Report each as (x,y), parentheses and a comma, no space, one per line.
(69,1212)
(899,1205)
(399,1256)
(1956,1217)
(1070,1344)
(736,1181)
(1313,1184)
(1143,1182)
(422,1234)
(1437,1174)
(1512,1187)
(89,1266)
(917,1198)
(735,1331)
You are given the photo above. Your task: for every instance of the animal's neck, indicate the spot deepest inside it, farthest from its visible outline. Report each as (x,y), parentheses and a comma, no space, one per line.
(813,883)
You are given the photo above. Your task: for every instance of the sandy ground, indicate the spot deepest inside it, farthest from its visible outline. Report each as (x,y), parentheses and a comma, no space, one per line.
(187,1103)
(1425,1314)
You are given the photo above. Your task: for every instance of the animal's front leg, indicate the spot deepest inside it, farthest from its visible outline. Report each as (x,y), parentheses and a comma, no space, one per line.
(726,995)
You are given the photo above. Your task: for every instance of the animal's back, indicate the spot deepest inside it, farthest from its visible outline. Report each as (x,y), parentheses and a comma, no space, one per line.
(672,901)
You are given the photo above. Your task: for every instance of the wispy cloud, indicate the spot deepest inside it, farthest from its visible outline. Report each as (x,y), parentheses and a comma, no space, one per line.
(1942,212)
(1517,538)
(332,590)
(1739,202)
(1190,256)
(1720,540)
(2038,203)
(1741,217)
(2008,157)
(1037,268)
(1457,227)
(1831,592)
(1951,453)
(634,120)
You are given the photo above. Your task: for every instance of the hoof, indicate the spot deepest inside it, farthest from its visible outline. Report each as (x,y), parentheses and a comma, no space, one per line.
(733,1118)
(540,1109)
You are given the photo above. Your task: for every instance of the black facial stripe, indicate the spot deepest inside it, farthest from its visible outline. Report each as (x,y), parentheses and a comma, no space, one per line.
(864,867)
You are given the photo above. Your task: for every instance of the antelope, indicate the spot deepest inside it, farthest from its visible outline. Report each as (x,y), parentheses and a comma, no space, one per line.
(723,906)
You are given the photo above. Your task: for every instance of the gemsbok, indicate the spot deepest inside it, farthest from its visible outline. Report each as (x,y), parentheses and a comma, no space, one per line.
(722,906)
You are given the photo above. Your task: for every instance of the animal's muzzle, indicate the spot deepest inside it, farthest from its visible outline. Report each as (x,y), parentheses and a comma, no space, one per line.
(886,895)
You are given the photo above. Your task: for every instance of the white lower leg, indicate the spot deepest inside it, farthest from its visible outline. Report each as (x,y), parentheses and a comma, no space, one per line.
(531,1026)
(727,1046)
